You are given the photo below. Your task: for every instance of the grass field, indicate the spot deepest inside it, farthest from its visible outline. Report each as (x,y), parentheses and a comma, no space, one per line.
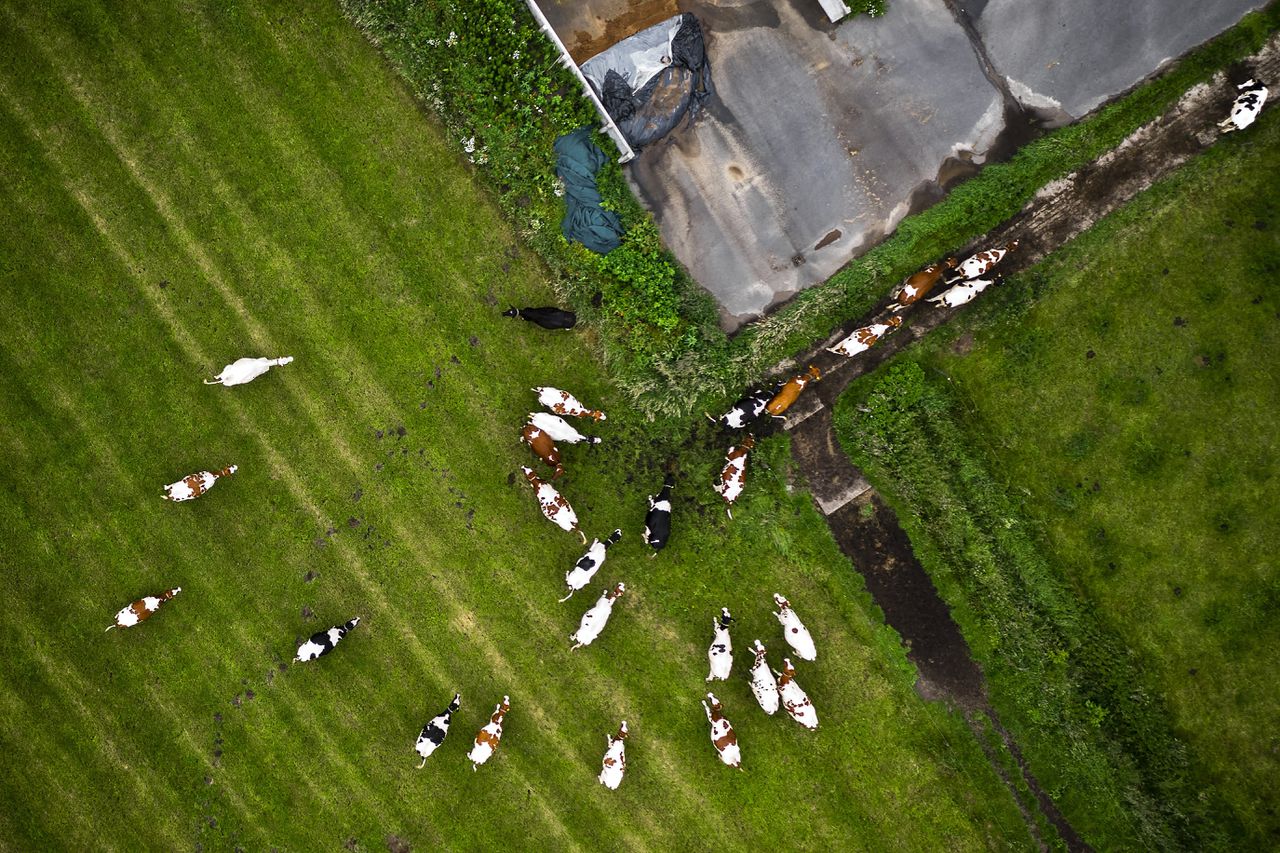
(183,184)
(1124,396)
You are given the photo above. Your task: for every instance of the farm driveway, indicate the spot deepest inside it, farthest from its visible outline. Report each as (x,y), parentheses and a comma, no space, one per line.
(823,137)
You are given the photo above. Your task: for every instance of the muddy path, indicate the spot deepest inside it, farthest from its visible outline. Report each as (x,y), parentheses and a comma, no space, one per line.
(865,528)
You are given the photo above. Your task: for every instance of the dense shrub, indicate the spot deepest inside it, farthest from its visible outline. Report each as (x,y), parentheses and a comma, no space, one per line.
(1067,687)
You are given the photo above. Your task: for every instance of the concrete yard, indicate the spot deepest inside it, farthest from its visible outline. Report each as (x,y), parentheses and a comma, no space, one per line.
(822,136)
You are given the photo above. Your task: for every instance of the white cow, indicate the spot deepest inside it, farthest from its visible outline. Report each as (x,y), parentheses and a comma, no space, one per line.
(244,370)
(793,629)
(723,737)
(564,403)
(963,293)
(559,429)
(588,564)
(594,620)
(794,700)
(490,735)
(721,652)
(615,759)
(1247,106)
(195,485)
(763,685)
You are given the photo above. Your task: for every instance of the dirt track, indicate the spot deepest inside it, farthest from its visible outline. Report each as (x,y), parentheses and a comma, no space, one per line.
(872,538)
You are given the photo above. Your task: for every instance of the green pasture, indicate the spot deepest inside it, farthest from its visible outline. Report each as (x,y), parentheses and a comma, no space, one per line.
(182,184)
(1088,468)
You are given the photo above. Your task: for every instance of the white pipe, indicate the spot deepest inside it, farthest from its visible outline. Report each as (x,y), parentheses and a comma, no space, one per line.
(610,127)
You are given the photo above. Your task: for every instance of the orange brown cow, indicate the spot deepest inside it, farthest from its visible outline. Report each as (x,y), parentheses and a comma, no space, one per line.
(490,736)
(142,609)
(543,447)
(790,390)
(918,284)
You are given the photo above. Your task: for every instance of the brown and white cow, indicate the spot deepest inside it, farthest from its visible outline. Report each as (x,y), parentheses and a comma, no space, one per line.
(918,284)
(553,504)
(733,479)
(978,265)
(790,390)
(615,759)
(142,609)
(722,736)
(794,700)
(564,403)
(763,684)
(490,736)
(861,340)
(594,620)
(543,447)
(244,370)
(195,485)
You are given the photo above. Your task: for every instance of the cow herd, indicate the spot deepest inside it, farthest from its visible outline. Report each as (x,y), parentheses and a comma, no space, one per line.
(771,688)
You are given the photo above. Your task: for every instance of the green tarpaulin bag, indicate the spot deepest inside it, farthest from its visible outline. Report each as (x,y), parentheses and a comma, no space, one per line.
(577,161)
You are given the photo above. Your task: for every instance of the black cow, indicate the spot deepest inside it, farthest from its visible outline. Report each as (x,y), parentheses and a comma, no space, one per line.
(746,410)
(657,523)
(433,733)
(547,318)
(322,642)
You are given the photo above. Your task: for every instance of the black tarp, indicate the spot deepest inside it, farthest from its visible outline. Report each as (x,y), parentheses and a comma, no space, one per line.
(651,81)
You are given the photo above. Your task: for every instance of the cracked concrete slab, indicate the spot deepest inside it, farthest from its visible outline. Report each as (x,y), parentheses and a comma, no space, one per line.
(1077,55)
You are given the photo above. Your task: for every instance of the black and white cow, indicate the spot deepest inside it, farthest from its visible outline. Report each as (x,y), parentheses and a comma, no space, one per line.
(547,318)
(322,642)
(657,522)
(1248,104)
(588,564)
(746,410)
(434,732)
(721,651)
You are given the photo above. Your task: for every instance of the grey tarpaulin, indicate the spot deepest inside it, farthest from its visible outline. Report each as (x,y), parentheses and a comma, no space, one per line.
(649,82)
(577,161)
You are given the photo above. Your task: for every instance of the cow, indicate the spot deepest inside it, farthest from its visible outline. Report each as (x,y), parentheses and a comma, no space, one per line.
(745,410)
(323,642)
(722,736)
(790,390)
(195,485)
(1247,106)
(721,652)
(564,403)
(490,735)
(434,732)
(142,609)
(559,429)
(594,620)
(861,340)
(547,318)
(796,634)
(733,479)
(763,684)
(964,292)
(588,564)
(794,700)
(615,759)
(916,285)
(657,522)
(553,504)
(244,370)
(544,448)
(978,265)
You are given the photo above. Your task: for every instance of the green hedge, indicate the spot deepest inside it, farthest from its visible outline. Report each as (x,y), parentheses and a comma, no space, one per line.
(495,82)
(1068,688)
